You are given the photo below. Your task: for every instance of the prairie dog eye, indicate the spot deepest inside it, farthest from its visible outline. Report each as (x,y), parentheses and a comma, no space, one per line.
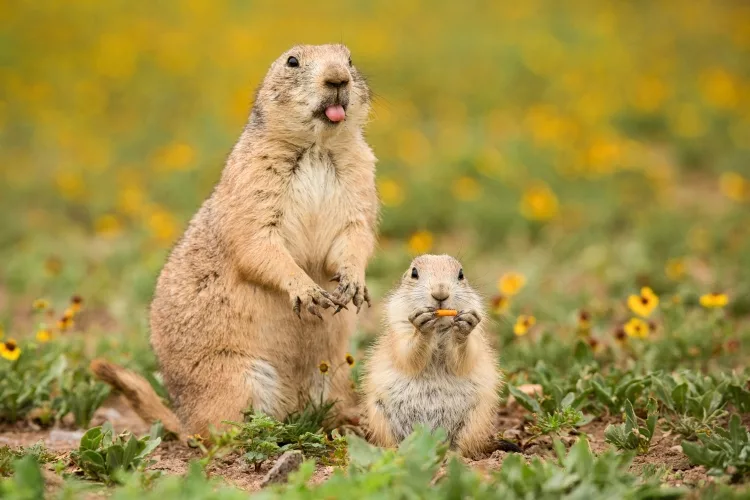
(350,60)
(292,62)
(414,273)
(460,275)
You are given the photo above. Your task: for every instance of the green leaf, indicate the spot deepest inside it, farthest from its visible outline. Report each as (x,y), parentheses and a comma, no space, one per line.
(361,453)
(91,439)
(526,401)
(130,451)
(679,397)
(115,454)
(151,445)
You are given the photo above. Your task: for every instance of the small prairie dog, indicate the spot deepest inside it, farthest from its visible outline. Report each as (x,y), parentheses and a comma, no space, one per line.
(243,312)
(429,368)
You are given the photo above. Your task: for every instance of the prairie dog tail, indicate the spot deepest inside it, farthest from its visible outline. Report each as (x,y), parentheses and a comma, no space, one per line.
(139,394)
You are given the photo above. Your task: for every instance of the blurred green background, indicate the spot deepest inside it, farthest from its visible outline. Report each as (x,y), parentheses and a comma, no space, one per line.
(592,146)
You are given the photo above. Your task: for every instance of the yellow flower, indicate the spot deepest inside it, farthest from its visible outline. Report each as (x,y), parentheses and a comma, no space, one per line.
(40,304)
(675,269)
(107,225)
(645,303)
(466,189)
(391,193)
(500,304)
(43,336)
(65,323)
(714,300)
(420,242)
(323,367)
(620,335)
(523,324)
(734,186)
(636,328)
(349,359)
(584,321)
(10,350)
(76,302)
(511,283)
(539,203)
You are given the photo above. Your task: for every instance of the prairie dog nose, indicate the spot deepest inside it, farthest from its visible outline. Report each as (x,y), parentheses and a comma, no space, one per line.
(336,76)
(440,292)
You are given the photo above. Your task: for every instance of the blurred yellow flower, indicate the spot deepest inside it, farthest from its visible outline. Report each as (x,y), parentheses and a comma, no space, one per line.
(70,185)
(511,283)
(636,328)
(466,189)
(645,303)
(414,148)
(76,302)
(176,156)
(65,323)
(162,224)
(734,186)
(10,350)
(686,121)
(420,242)
(675,269)
(40,304)
(500,304)
(650,93)
(107,225)
(523,324)
(584,321)
(130,199)
(43,336)
(714,300)
(391,193)
(719,88)
(539,202)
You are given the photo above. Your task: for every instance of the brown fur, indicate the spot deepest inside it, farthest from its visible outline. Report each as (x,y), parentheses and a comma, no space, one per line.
(234,319)
(440,372)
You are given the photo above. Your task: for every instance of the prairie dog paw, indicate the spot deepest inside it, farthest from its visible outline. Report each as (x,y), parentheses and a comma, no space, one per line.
(351,288)
(466,321)
(424,319)
(311,298)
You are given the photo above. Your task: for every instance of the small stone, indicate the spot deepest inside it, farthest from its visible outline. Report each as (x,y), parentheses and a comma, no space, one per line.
(287,463)
(60,435)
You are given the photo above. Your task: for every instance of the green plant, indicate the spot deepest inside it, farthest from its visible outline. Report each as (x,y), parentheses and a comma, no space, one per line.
(81,395)
(722,451)
(631,435)
(312,418)
(692,403)
(103,455)
(27,482)
(409,472)
(262,438)
(551,416)
(8,456)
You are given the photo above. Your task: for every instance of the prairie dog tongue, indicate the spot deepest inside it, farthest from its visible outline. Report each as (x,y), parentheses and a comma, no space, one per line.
(336,113)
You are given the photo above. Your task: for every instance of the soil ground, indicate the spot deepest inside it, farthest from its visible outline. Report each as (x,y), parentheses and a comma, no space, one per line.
(174,457)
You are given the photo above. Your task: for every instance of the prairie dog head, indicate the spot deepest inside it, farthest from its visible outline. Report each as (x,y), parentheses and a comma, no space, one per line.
(311,90)
(431,281)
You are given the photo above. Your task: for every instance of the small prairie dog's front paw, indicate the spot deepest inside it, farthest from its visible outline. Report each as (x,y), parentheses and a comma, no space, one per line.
(351,288)
(466,321)
(312,297)
(424,319)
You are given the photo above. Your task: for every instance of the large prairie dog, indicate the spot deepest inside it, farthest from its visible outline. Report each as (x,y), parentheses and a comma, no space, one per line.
(243,312)
(438,371)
